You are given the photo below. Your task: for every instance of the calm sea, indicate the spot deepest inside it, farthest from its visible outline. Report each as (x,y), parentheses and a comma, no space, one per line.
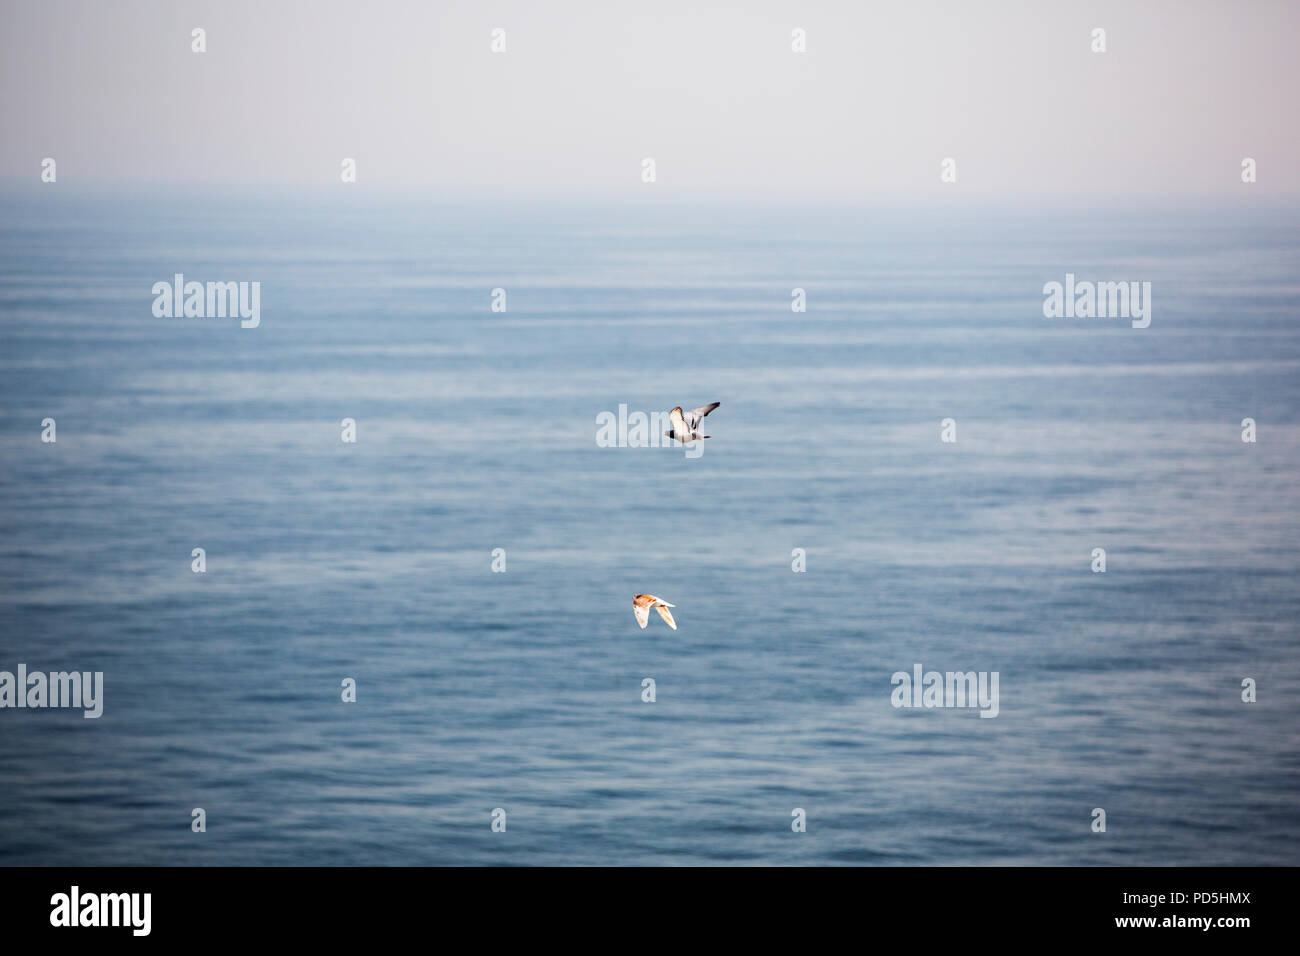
(476,430)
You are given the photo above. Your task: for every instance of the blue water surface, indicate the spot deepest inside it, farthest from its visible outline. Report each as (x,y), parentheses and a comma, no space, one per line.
(477,430)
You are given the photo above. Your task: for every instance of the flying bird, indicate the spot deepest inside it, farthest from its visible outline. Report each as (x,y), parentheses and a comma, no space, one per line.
(686,426)
(641,605)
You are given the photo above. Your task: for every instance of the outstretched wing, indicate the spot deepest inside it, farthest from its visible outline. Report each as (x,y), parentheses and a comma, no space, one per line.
(667,615)
(642,614)
(680,429)
(696,415)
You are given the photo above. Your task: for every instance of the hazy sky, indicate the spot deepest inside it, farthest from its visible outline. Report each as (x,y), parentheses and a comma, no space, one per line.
(712,91)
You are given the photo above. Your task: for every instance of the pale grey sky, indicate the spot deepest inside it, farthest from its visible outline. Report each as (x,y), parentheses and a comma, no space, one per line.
(712,91)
